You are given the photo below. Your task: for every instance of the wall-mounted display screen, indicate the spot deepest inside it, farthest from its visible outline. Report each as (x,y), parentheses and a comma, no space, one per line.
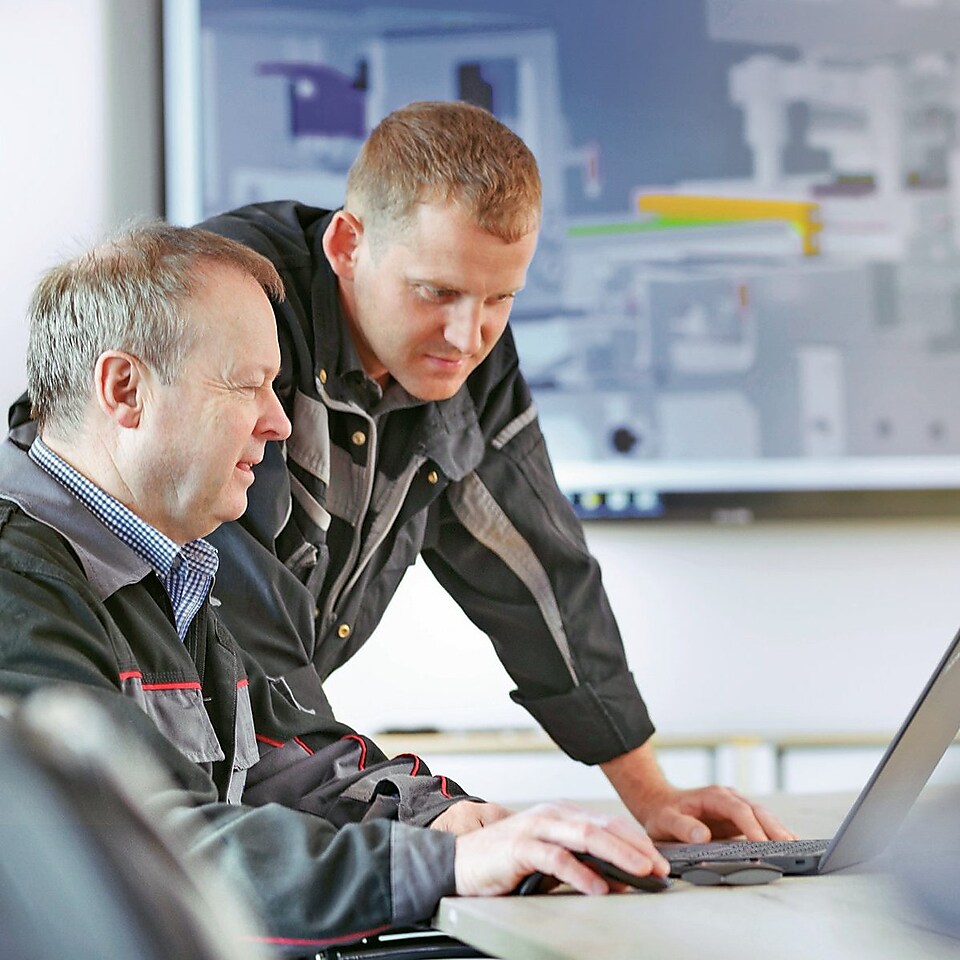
(748,279)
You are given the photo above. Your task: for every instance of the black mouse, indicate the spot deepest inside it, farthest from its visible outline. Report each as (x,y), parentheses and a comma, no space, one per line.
(649,883)
(732,873)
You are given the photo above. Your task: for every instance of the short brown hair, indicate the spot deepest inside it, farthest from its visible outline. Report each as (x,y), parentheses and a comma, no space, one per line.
(124,294)
(446,152)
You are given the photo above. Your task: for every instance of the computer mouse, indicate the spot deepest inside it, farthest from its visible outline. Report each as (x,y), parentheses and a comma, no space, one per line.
(732,873)
(649,883)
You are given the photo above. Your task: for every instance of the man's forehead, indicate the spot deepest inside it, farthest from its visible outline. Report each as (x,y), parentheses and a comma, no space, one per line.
(472,251)
(234,326)
(509,225)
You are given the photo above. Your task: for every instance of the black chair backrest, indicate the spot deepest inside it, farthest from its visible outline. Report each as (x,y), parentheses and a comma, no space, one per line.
(83,872)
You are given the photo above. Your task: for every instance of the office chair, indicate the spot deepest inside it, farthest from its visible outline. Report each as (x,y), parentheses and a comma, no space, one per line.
(410,944)
(83,873)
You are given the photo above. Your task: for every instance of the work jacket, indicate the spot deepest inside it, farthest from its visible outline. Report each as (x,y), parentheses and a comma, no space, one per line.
(309,820)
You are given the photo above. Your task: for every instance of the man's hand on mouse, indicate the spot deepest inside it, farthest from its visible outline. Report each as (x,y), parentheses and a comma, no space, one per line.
(494,860)
(691,816)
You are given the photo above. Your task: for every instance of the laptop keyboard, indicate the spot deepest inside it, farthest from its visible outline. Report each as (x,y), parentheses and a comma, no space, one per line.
(744,849)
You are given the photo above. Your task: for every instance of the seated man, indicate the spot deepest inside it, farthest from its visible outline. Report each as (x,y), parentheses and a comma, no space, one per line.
(151,363)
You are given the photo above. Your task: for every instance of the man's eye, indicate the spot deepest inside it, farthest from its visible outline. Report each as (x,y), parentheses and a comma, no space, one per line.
(435,294)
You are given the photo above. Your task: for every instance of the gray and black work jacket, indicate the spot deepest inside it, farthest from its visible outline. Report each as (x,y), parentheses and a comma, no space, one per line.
(369,480)
(322,834)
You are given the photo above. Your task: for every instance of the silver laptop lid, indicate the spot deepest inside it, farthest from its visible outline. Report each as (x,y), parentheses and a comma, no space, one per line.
(903,770)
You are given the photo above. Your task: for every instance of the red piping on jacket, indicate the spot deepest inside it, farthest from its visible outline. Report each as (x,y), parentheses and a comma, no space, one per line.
(137,675)
(416,762)
(268,741)
(276,743)
(363,748)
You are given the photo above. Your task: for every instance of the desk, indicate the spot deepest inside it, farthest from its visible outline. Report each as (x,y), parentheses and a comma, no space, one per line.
(856,913)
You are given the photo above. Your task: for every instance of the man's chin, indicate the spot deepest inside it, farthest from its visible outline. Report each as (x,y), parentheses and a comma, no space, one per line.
(234,509)
(433,389)
(429,381)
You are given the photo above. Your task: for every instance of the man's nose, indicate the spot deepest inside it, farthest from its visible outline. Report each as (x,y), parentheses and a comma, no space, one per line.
(463,327)
(273,422)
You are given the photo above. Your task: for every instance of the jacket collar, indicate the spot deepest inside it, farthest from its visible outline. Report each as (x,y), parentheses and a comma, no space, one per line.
(333,345)
(108,562)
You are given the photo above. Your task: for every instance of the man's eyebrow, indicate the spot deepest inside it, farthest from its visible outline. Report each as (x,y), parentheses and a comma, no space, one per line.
(257,374)
(437,282)
(453,288)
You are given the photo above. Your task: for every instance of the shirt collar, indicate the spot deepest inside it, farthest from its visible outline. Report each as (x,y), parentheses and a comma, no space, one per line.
(108,563)
(149,543)
(333,345)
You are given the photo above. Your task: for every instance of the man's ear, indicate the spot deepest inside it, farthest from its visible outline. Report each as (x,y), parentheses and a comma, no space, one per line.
(119,382)
(341,241)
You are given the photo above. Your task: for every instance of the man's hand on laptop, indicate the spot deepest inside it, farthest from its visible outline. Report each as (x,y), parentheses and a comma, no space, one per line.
(691,816)
(711,813)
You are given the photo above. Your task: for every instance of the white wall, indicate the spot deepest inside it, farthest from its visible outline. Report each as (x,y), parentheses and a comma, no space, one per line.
(79,139)
(775,626)
(770,627)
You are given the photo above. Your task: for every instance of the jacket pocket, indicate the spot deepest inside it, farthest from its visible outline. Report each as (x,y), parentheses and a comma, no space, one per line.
(178,711)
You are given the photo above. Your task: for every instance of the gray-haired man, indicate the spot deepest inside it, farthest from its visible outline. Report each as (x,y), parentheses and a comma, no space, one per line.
(151,366)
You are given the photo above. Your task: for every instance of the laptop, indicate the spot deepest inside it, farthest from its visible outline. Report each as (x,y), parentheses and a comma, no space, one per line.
(884,802)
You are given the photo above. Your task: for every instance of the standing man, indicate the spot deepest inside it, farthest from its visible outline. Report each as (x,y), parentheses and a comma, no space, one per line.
(414,434)
(151,363)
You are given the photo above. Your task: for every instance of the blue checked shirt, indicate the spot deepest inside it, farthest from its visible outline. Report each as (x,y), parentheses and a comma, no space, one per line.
(186,572)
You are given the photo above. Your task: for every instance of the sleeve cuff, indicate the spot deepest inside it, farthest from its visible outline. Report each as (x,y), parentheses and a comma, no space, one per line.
(593,723)
(428,813)
(421,872)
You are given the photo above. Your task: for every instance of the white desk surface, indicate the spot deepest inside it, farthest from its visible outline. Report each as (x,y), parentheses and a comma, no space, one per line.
(856,913)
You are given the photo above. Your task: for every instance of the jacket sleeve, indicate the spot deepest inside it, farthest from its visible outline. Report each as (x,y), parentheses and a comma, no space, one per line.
(310,881)
(333,772)
(540,599)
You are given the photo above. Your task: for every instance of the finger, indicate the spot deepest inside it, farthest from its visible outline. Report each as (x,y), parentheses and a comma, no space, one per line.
(633,834)
(732,815)
(772,826)
(742,814)
(559,862)
(745,824)
(671,824)
(615,839)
